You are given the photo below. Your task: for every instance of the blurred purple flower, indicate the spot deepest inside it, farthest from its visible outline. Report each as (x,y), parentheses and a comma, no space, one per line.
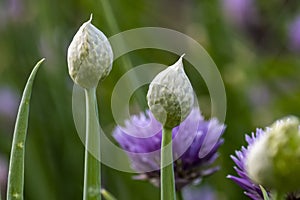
(195,145)
(240,12)
(294,34)
(11,10)
(251,189)
(203,193)
(15,8)
(3,174)
(9,101)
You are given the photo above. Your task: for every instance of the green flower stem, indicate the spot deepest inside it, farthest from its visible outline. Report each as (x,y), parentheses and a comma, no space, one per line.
(179,195)
(126,62)
(15,185)
(167,181)
(107,195)
(92,166)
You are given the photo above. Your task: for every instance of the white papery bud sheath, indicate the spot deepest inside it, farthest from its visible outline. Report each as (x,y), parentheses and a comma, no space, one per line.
(274,160)
(170,95)
(90,56)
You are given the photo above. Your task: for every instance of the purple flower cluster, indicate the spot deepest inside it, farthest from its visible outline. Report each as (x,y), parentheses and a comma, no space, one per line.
(294,34)
(205,192)
(195,145)
(9,102)
(240,12)
(3,174)
(251,190)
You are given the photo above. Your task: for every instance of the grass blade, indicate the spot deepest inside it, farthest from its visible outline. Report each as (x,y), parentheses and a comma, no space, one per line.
(107,195)
(266,197)
(15,183)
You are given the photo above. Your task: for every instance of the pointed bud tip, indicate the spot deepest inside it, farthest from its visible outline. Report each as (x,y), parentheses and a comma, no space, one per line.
(178,64)
(91,18)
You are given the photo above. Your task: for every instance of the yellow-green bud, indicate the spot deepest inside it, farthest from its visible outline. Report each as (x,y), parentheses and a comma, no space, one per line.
(90,56)
(170,95)
(274,160)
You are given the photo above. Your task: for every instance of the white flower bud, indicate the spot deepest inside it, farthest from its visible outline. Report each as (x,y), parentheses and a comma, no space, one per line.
(274,160)
(90,56)
(170,95)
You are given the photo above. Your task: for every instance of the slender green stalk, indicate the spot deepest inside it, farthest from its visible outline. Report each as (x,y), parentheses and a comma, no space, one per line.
(109,15)
(15,185)
(167,181)
(107,195)
(126,62)
(92,166)
(179,195)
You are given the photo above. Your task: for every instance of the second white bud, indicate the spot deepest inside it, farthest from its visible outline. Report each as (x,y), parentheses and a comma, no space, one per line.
(170,95)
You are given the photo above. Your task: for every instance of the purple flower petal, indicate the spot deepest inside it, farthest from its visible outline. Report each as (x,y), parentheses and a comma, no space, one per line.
(195,145)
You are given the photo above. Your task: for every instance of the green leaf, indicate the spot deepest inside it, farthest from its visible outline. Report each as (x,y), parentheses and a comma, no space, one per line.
(107,195)
(266,197)
(15,184)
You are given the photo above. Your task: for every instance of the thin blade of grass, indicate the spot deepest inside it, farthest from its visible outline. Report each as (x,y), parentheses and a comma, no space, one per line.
(107,195)
(15,185)
(266,197)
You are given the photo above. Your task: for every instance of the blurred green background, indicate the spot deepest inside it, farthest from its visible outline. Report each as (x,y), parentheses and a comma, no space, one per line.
(255,45)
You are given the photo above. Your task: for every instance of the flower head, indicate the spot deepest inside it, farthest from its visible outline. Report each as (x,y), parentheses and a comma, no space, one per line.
(240,12)
(294,34)
(252,190)
(195,145)
(170,95)
(89,56)
(205,192)
(3,174)
(8,102)
(270,159)
(273,161)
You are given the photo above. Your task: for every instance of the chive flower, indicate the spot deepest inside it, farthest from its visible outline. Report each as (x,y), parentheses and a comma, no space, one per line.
(170,95)
(270,160)
(251,189)
(240,12)
(273,161)
(3,175)
(141,138)
(90,56)
(294,34)
(205,192)
(9,101)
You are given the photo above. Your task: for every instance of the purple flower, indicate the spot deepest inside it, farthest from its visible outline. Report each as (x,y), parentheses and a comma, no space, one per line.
(195,145)
(203,193)
(3,174)
(9,102)
(240,12)
(251,190)
(294,34)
